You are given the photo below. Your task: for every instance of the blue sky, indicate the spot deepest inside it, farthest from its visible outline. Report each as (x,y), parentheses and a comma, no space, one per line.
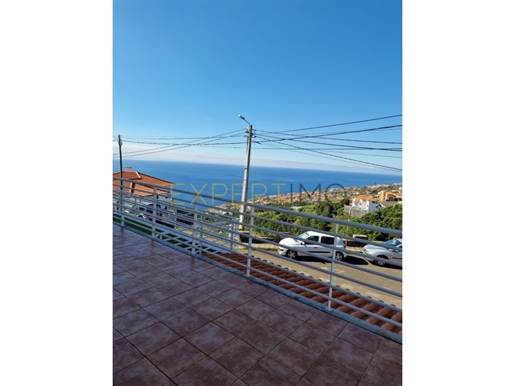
(183,71)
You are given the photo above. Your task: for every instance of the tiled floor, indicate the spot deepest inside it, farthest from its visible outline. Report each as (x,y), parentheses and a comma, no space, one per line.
(180,321)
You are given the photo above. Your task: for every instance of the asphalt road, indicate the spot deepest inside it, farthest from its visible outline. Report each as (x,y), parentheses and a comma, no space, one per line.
(352,269)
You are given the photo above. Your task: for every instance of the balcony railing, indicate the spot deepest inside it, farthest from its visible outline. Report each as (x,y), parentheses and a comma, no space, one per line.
(352,288)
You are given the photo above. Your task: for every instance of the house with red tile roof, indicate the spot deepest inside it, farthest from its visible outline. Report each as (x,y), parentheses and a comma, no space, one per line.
(137,189)
(365,203)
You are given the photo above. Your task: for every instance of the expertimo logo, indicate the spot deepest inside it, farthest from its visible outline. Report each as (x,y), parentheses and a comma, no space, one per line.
(256,191)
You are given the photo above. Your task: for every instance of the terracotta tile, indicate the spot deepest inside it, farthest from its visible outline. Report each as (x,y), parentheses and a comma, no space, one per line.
(192,297)
(178,271)
(121,257)
(262,337)
(327,322)
(116,335)
(212,309)
(123,306)
(269,372)
(239,382)
(117,295)
(305,382)
(124,355)
(312,337)
(361,338)
(176,358)
(158,248)
(235,322)
(174,287)
(165,309)
(234,297)
(206,372)
(158,261)
(234,280)
(252,289)
(132,286)
(147,297)
(383,372)
(299,310)
(199,265)
(391,351)
(349,355)
(326,372)
(237,356)
(294,356)
(132,264)
(160,278)
(153,338)
(145,271)
(209,338)
(282,322)
(142,251)
(133,322)
(122,277)
(273,298)
(367,382)
(195,279)
(129,250)
(186,321)
(214,288)
(177,258)
(256,309)
(140,373)
(214,272)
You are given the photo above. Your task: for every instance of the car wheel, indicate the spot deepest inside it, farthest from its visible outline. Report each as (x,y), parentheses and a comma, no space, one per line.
(381,263)
(291,254)
(339,256)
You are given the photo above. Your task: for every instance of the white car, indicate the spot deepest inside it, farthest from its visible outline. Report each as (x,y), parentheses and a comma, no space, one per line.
(305,243)
(391,249)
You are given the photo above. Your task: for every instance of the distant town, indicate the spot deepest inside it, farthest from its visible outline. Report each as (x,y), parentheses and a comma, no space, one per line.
(362,200)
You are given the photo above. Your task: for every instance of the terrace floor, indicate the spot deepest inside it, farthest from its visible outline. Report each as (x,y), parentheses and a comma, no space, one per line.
(178,320)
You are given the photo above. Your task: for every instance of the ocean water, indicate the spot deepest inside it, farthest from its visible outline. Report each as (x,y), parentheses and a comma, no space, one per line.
(217,180)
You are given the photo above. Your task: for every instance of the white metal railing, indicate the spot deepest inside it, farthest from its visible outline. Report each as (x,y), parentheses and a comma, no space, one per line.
(213,232)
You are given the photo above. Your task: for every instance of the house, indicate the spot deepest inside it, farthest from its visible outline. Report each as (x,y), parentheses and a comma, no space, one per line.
(137,191)
(389,196)
(365,204)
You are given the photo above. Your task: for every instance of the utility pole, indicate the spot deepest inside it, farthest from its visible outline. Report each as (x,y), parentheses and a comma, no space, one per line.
(120,150)
(122,190)
(243,207)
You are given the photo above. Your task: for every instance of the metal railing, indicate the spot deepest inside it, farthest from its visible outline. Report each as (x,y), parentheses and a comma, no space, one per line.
(352,287)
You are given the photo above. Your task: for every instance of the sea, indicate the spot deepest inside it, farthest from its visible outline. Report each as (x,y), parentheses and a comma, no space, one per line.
(225,181)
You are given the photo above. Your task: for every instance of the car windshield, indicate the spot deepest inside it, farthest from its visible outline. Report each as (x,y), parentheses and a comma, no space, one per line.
(303,235)
(393,242)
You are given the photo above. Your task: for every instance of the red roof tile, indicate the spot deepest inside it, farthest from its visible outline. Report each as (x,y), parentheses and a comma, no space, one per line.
(322,289)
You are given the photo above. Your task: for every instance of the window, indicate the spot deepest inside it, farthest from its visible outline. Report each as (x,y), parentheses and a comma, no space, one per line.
(327,240)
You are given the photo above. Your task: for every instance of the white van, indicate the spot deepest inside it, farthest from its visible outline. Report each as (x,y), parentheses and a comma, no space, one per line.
(307,243)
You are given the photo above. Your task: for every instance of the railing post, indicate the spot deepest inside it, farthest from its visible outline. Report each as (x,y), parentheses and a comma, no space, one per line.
(122,202)
(231,229)
(331,276)
(154,210)
(194,231)
(199,225)
(249,244)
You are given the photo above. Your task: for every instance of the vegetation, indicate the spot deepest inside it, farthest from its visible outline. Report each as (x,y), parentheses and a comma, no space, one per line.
(386,218)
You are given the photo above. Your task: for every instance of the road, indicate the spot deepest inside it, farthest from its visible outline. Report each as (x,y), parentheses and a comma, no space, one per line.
(353,269)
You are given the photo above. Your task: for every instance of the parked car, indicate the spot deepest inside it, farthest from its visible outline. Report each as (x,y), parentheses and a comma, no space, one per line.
(391,249)
(306,243)
(145,210)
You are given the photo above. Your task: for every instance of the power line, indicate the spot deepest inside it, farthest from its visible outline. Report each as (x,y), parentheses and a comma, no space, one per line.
(336,124)
(341,157)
